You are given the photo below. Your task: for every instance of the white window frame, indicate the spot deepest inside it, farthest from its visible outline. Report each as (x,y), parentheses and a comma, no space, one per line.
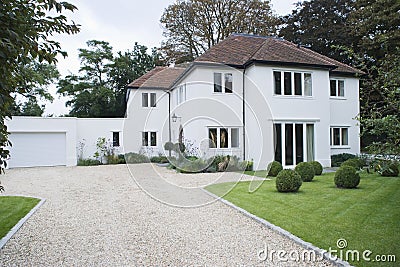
(148,133)
(229,129)
(332,137)
(181,94)
(223,78)
(293,86)
(337,91)
(283,140)
(148,104)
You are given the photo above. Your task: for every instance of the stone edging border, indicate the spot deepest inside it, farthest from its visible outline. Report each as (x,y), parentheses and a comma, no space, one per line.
(306,245)
(16,227)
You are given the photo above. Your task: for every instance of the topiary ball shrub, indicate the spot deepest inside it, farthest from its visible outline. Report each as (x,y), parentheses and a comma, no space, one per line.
(390,170)
(355,163)
(317,167)
(347,177)
(274,168)
(288,181)
(306,171)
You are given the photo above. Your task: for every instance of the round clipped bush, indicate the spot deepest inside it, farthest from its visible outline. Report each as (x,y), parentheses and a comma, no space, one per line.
(274,168)
(288,181)
(306,171)
(347,177)
(317,167)
(355,163)
(390,170)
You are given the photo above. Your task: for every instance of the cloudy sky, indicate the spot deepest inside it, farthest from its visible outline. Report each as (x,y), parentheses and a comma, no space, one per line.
(121,23)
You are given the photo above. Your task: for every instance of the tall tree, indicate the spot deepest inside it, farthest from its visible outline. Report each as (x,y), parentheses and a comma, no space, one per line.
(35,79)
(25,27)
(193,26)
(321,24)
(376,27)
(100,88)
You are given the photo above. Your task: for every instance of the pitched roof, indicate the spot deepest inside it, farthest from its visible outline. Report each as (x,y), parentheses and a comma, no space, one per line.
(239,50)
(157,78)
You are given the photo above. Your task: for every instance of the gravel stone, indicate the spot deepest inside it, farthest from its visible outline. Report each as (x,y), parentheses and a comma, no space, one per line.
(101,216)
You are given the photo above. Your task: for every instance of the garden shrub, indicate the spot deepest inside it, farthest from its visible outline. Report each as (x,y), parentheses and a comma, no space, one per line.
(354,162)
(288,181)
(159,159)
(88,162)
(347,177)
(133,158)
(274,168)
(338,159)
(389,169)
(317,167)
(246,165)
(306,171)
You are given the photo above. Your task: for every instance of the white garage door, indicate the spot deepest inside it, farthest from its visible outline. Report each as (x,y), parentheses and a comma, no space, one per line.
(37,149)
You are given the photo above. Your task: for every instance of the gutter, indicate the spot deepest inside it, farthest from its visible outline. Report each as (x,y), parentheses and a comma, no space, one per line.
(169,118)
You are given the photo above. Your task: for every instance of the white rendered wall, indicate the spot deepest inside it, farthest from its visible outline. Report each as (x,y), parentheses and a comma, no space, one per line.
(203,108)
(343,113)
(89,130)
(146,119)
(291,109)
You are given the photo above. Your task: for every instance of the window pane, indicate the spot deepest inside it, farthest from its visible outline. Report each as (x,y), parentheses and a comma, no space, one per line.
(341,88)
(153,138)
(289,144)
(288,83)
(145,139)
(145,100)
(218,82)
(297,84)
(336,136)
(153,99)
(212,136)
(115,138)
(228,83)
(345,137)
(235,137)
(333,87)
(278,82)
(307,84)
(299,143)
(278,142)
(310,141)
(223,141)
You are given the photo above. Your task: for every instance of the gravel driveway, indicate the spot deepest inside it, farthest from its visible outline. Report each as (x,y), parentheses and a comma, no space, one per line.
(102,216)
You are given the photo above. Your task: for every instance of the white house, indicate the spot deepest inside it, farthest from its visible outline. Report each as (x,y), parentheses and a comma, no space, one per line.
(259,98)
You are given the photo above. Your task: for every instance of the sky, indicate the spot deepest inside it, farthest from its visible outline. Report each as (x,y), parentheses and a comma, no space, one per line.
(121,23)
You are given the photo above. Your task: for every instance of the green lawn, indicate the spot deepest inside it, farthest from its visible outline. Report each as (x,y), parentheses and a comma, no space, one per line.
(320,213)
(12,209)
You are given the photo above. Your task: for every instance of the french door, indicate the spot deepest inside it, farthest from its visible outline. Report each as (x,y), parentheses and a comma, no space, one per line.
(294,143)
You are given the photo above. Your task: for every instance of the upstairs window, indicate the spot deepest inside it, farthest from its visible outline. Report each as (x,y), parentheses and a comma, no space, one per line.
(292,83)
(149,102)
(223,83)
(337,88)
(181,94)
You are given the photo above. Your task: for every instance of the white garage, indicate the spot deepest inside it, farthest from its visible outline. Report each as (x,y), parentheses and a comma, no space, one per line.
(37,149)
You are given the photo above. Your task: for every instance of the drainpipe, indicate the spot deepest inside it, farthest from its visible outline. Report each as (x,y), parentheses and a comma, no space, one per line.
(244,115)
(169,119)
